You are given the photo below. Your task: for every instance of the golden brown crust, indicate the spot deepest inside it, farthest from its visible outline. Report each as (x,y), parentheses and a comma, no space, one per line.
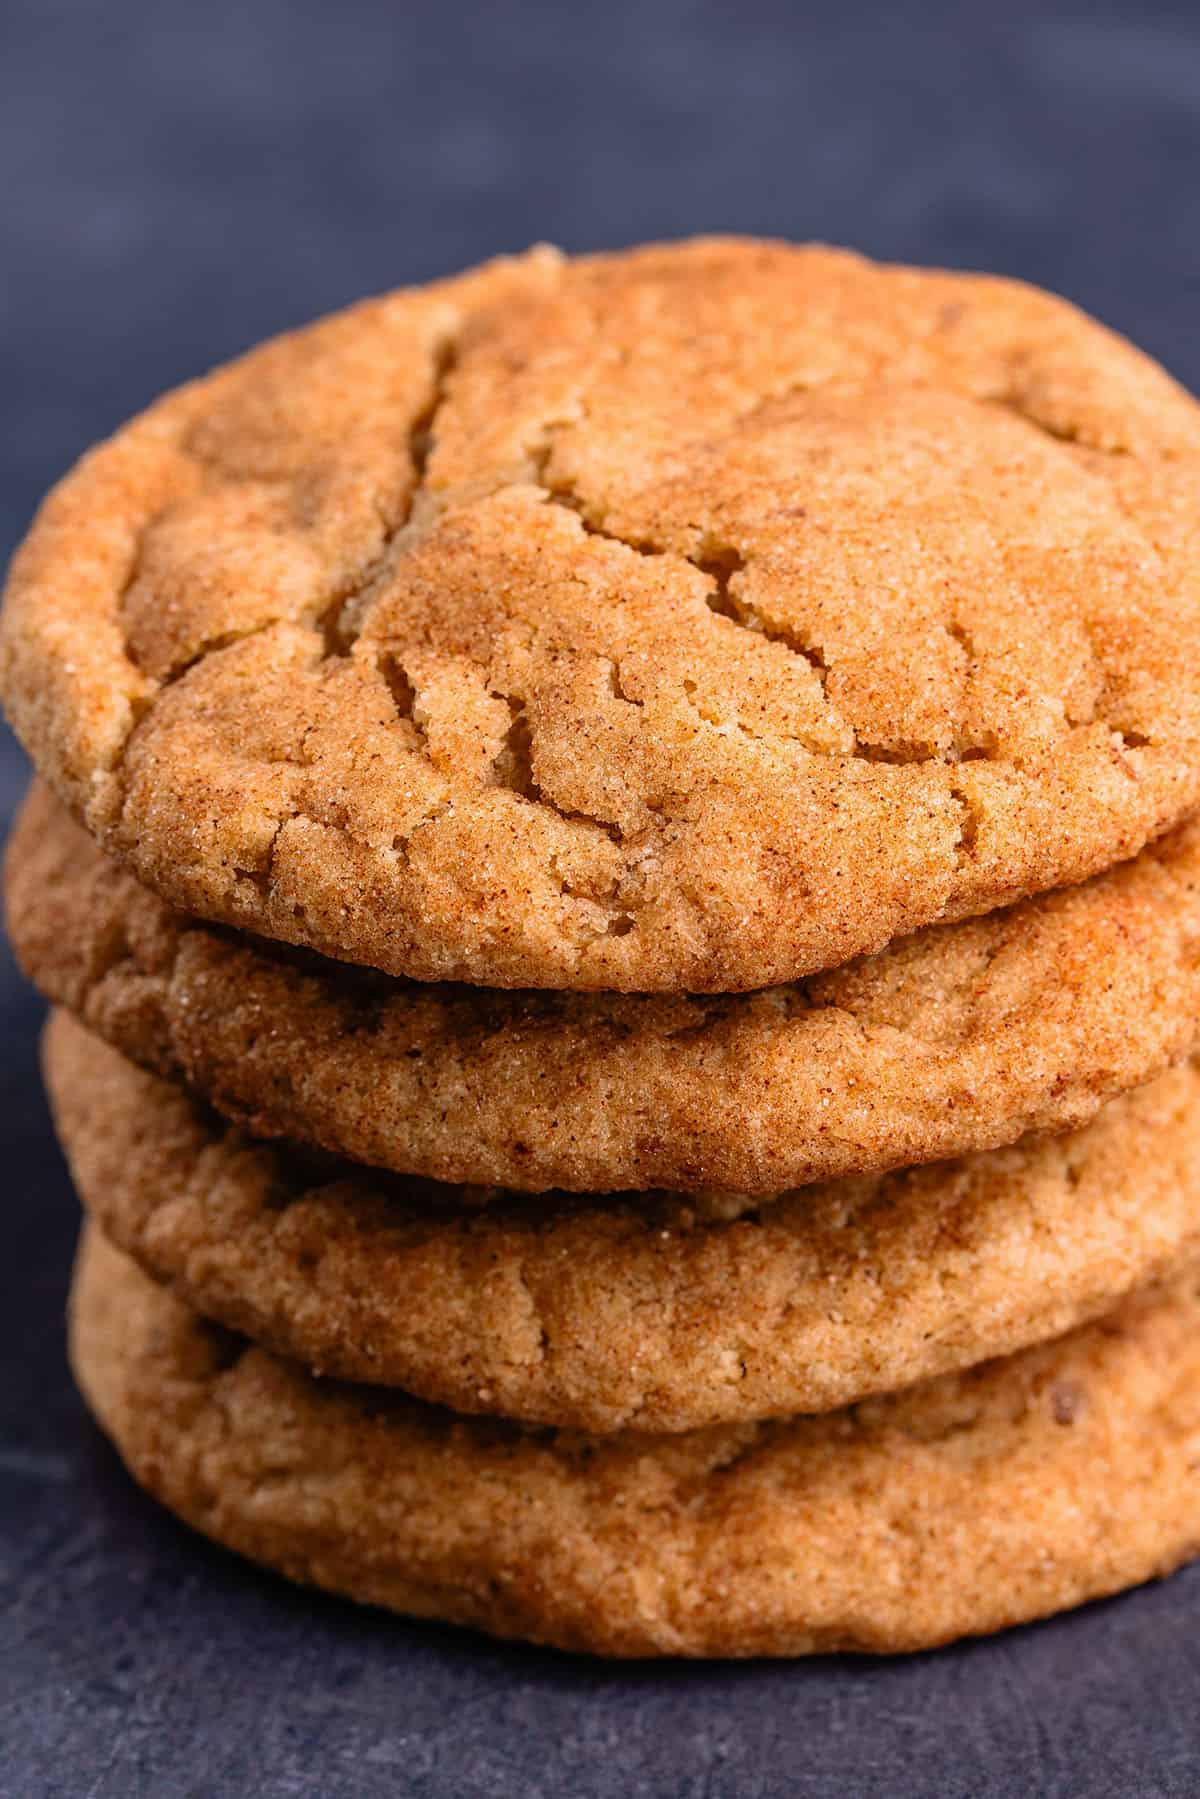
(694,618)
(964,1037)
(966,1505)
(632,1310)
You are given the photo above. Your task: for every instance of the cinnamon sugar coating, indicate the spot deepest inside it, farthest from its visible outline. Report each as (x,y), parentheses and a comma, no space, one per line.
(696,618)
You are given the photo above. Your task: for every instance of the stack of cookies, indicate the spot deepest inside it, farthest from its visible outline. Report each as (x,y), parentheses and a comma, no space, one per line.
(615,862)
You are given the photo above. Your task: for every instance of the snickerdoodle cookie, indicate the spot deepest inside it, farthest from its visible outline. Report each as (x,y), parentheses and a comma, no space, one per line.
(632,1309)
(694,618)
(963,1037)
(966,1504)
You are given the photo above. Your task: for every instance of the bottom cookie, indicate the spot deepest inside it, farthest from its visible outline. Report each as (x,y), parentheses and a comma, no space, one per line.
(969,1503)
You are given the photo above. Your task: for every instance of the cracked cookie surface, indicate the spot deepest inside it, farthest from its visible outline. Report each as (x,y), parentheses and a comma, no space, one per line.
(964,1037)
(697,617)
(968,1504)
(631,1310)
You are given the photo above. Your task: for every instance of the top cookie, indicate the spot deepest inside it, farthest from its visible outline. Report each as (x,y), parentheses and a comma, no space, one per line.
(697,617)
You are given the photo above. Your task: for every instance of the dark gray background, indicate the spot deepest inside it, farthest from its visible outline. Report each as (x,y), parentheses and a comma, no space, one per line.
(180,177)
